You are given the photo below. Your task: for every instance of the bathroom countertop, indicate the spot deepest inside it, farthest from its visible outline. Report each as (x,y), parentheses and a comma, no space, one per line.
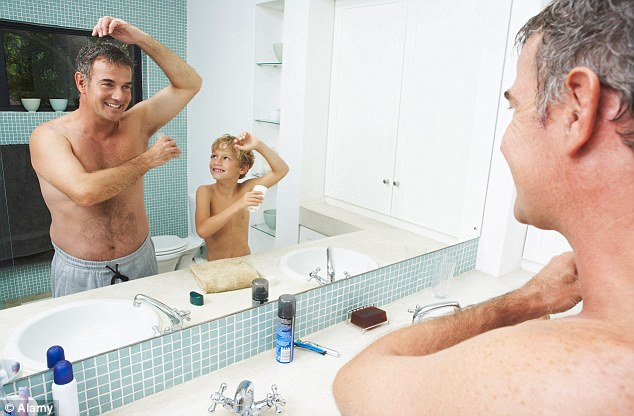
(385,243)
(306,383)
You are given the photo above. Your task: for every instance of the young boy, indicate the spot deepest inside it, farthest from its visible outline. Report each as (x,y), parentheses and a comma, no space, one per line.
(222,218)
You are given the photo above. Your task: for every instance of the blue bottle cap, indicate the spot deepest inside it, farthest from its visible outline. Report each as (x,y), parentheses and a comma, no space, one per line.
(54,355)
(62,373)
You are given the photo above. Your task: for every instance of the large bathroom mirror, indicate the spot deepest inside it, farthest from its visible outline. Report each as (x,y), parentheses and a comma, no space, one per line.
(230,73)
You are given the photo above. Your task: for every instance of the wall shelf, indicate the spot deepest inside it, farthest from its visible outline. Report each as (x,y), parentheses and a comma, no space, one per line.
(262,120)
(264,228)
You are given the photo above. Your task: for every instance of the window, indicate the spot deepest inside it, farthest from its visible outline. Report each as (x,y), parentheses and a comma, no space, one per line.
(39,62)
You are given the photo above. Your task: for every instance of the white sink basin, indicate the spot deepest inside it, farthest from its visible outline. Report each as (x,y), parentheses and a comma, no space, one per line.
(301,262)
(83,328)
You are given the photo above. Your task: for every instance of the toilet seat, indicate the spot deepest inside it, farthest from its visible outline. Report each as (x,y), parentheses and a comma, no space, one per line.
(166,245)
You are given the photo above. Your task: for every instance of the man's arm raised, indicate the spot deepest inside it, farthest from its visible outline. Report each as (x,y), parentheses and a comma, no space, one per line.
(184,80)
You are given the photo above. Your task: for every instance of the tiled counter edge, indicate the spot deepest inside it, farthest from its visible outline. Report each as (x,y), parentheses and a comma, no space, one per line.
(119,377)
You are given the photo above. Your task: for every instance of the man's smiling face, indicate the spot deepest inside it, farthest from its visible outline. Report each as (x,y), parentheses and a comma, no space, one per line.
(109,90)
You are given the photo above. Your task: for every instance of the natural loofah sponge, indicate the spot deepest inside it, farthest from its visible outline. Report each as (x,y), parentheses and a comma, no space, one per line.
(223,275)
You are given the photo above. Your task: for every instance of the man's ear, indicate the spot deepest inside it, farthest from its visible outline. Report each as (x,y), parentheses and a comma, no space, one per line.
(581,107)
(80,82)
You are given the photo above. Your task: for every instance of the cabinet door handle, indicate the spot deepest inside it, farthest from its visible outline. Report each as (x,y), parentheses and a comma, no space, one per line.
(386,181)
(396,183)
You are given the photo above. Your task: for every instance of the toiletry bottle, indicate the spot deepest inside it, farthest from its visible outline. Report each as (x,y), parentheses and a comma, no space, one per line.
(285,335)
(64,388)
(23,406)
(259,291)
(262,189)
(54,355)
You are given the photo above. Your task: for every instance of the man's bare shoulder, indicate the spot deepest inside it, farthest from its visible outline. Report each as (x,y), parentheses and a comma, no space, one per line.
(567,366)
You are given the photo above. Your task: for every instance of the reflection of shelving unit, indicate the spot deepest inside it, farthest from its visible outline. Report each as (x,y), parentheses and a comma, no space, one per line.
(267,81)
(275,64)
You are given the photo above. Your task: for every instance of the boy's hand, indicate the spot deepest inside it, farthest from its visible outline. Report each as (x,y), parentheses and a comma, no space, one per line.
(246,141)
(253,198)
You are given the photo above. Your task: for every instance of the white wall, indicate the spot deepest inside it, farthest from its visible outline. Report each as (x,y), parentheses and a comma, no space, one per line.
(502,238)
(308,31)
(220,47)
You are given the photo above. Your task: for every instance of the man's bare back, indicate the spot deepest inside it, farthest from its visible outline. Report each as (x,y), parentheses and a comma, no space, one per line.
(109,229)
(232,240)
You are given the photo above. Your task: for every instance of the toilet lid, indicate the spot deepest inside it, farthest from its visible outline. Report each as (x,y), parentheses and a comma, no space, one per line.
(168,244)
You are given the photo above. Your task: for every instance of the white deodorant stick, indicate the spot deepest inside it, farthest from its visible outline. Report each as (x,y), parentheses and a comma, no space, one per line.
(262,189)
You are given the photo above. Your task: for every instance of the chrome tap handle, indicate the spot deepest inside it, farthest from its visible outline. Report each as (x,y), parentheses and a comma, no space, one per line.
(314,274)
(420,312)
(218,397)
(276,399)
(184,314)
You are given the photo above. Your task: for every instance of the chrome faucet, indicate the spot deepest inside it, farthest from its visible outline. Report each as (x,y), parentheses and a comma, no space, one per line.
(330,264)
(176,316)
(243,403)
(421,311)
(315,275)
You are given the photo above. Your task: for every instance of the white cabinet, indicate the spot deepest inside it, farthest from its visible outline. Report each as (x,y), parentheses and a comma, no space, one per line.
(368,55)
(416,87)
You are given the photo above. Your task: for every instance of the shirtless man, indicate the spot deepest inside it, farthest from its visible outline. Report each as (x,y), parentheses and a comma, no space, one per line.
(91,162)
(570,147)
(222,218)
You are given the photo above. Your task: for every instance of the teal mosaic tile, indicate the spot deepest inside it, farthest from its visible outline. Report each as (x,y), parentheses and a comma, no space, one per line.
(166,186)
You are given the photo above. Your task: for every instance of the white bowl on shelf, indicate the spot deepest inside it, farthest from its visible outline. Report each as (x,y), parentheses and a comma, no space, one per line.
(270,218)
(58,104)
(278,50)
(31,104)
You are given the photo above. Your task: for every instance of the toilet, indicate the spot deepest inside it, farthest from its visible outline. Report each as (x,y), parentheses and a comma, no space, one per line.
(176,253)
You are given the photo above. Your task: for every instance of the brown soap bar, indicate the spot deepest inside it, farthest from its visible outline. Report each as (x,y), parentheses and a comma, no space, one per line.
(368,317)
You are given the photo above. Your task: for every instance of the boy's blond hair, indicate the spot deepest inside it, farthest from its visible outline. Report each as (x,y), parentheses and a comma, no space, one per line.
(227,141)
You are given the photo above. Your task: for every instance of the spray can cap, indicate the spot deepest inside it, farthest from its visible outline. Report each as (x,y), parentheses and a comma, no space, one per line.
(62,373)
(54,355)
(286,306)
(260,290)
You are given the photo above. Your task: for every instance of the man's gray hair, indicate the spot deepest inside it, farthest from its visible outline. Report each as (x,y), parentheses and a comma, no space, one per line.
(101,50)
(597,34)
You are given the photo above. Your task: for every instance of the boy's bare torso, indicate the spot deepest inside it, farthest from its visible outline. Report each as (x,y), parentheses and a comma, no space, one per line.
(232,240)
(110,229)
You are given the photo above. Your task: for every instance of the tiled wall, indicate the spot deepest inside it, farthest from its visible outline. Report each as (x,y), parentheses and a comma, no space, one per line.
(119,377)
(166,186)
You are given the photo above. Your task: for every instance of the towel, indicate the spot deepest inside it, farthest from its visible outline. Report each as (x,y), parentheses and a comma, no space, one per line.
(223,275)
(29,219)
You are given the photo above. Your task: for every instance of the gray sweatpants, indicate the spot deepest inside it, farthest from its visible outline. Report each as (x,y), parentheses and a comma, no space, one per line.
(71,275)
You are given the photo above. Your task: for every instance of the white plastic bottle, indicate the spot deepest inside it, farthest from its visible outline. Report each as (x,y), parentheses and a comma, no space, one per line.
(64,388)
(262,189)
